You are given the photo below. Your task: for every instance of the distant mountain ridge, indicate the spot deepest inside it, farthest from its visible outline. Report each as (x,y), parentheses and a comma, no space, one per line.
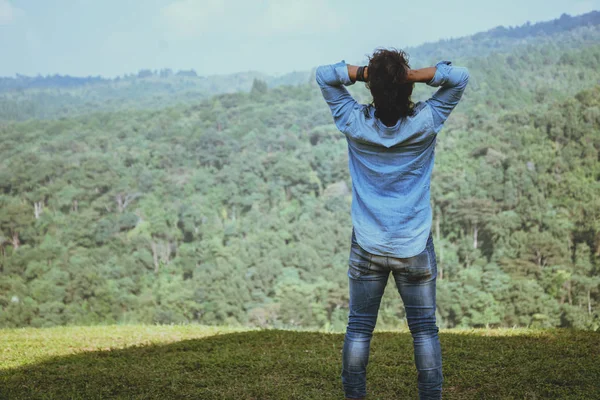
(502,39)
(564,23)
(421,53)
(58,96)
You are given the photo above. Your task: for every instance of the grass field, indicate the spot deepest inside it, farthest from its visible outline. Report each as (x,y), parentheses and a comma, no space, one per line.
(198,362)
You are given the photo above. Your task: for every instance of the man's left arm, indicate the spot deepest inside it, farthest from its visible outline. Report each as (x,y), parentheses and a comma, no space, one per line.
(332,80)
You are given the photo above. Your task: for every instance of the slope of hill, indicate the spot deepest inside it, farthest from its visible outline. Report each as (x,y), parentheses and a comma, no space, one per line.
(566,32)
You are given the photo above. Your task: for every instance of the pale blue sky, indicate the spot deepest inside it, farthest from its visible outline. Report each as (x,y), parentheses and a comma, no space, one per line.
(114,37)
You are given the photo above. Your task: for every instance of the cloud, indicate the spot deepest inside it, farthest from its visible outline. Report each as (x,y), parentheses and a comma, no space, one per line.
(8,12)
(185,19)
(189,18)
(299,17)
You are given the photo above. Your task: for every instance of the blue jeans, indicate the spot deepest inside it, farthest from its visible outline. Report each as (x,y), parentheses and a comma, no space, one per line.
(415,279)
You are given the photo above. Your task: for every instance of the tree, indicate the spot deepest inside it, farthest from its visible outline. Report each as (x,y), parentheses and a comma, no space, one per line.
(259,87)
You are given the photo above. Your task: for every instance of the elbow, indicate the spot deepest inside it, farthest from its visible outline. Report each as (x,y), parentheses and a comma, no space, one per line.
(319,75)
(465,76)
(461,77)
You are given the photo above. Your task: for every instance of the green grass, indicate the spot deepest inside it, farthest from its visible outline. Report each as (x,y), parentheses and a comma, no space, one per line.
(198,362)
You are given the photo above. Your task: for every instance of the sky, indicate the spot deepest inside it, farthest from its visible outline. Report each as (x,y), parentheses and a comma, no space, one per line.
(117,37)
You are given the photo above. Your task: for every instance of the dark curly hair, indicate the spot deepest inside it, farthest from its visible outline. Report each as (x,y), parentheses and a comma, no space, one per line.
(387,83)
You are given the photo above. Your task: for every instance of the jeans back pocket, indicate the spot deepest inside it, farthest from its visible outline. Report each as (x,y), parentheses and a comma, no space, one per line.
(419,268)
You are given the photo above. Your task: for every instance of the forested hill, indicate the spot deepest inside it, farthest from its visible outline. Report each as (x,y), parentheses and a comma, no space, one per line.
(236,209)
(569,31)
(58,96)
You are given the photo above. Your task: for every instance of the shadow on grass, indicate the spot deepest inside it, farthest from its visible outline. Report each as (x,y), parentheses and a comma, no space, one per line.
(276,364)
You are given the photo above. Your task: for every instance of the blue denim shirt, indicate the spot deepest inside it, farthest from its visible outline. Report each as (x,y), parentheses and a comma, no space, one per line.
(391,167)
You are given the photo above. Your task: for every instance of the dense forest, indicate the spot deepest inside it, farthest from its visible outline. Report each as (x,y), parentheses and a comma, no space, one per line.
(159,199)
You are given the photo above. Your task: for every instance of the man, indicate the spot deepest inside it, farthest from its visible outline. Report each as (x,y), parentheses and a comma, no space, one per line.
(391,144)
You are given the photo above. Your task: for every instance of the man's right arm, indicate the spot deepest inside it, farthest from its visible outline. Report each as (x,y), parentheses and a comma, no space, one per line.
(453,81)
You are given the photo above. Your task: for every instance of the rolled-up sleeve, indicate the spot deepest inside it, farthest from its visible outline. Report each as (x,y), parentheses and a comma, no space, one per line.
(332,80)
(453,81)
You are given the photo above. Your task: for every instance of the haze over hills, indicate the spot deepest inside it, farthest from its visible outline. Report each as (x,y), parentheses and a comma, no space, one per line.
(493,40)
(57,96)
(174,200)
